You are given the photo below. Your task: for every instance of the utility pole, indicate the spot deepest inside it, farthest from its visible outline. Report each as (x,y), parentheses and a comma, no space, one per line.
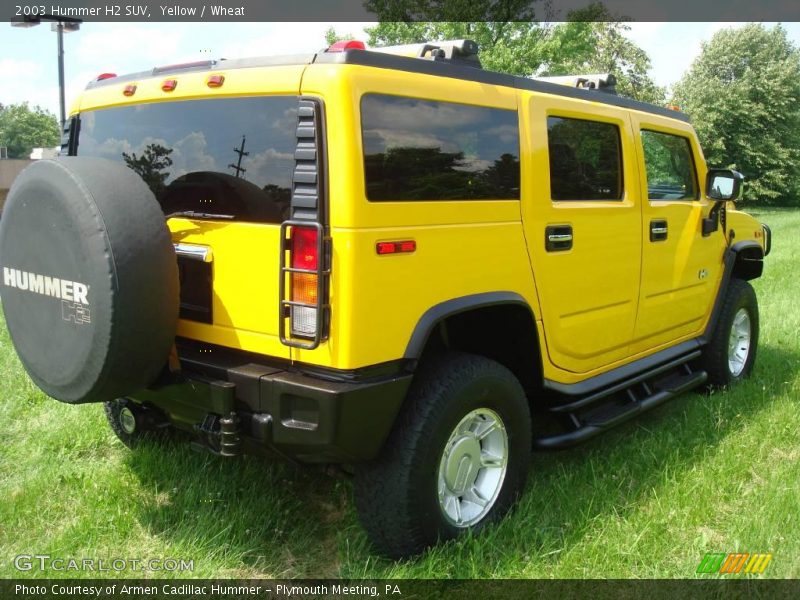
(238,166)
(60,25)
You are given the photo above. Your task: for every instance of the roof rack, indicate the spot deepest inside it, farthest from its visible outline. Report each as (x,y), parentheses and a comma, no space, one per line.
(454,51)
(604,82)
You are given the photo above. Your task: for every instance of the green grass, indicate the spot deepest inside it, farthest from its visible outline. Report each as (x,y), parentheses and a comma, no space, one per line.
(718,473)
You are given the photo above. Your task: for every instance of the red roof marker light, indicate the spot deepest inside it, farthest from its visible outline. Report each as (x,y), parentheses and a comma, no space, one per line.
(105,76)
(169,84)
(215,81)
(129,90)
(347,45)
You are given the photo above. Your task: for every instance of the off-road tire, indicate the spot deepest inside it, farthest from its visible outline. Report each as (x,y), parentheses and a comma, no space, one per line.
(396,495)
(739,295)
(149,424)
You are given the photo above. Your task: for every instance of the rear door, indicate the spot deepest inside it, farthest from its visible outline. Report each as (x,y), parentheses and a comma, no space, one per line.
(583,226)
(222,167)
(681,268)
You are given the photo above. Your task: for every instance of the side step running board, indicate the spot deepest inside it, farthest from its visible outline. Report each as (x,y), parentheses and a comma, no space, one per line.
(595,424)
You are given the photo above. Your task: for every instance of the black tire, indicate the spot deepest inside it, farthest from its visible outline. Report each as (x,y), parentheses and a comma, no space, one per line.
(89,279)
(397,494)
(132,422)
(739,296)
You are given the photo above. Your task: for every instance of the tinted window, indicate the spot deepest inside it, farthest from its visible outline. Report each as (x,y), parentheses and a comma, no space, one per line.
(585,160)
(670,167)
(225,156)
(425,150)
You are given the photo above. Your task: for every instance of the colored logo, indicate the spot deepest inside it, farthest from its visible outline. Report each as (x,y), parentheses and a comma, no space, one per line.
(735,562)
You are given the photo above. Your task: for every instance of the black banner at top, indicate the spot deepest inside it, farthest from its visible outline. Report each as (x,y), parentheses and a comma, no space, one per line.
(395,10)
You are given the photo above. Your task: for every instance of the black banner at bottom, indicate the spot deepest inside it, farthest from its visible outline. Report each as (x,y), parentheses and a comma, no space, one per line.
(406,589)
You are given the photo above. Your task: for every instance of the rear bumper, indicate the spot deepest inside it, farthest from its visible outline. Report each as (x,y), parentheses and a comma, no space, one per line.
(304,417)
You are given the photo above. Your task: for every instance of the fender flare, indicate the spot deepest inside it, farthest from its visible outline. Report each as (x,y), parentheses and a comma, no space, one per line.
(729,262)
(439,312)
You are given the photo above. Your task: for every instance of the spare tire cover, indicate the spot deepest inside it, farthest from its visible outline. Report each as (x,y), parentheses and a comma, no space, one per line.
(89,279)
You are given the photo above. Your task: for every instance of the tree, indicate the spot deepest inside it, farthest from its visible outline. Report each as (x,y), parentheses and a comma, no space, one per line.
(593,41)
(23,128)
(513,41)
(151,166)
(743,94)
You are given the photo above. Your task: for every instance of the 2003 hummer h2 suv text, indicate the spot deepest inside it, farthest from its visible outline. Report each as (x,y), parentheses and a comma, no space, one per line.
(391,259)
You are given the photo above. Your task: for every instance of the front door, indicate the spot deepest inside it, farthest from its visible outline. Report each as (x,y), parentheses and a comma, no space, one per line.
(681,268)
(583,227)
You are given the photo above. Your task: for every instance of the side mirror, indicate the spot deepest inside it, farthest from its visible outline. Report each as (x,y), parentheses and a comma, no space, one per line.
(723,185)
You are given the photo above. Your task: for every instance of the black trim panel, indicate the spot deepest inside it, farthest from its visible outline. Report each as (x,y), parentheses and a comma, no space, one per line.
(437,313)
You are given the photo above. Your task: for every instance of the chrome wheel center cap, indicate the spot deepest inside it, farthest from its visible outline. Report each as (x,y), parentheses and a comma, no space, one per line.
(472,467)
(463,464)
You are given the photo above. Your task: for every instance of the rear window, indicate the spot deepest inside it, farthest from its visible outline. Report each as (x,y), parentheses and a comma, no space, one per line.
(229,156)
(427,150)
(585,160)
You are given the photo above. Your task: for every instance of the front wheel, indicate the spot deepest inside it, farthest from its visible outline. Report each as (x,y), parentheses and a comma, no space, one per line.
(731,352)
(456,460)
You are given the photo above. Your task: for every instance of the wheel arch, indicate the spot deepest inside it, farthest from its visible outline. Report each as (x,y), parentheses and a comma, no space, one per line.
(748,260)
(743,260)
(498,325)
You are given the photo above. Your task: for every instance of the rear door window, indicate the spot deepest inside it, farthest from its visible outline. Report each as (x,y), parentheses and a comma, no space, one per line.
(428,150)
(585,159)
(226,156)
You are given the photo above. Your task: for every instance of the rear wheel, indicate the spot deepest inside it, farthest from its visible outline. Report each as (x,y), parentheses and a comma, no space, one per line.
(456,460)
(132,422)
(731,352)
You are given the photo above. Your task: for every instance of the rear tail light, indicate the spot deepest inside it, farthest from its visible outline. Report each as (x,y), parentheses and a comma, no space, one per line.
(304,285)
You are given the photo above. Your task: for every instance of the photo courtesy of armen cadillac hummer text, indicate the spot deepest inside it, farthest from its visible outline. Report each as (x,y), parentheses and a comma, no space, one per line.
(391,260)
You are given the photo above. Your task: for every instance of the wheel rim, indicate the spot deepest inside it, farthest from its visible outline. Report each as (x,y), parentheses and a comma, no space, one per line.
(739,342)
(127,420)
(473,467)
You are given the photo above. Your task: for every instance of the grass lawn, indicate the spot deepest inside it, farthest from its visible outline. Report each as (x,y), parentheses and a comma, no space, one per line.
(718,473)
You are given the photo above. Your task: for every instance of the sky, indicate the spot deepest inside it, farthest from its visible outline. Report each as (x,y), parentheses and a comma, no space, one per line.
(28,68)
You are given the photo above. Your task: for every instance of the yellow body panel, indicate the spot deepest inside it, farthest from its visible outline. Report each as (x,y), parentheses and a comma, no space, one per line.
(611,299)
(463,248)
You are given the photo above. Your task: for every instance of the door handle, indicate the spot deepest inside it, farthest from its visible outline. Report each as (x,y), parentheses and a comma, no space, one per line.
(658,230)
(558,238)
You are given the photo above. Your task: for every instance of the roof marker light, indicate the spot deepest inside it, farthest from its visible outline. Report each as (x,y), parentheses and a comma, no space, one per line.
(105,76)
(169,84)
(215,81)
(347,45)
(129,90)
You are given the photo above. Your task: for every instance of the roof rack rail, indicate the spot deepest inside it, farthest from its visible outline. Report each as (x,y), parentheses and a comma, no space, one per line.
(603,82)
(453,51)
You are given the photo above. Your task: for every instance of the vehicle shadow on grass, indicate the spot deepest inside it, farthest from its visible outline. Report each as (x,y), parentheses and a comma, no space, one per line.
(252,517)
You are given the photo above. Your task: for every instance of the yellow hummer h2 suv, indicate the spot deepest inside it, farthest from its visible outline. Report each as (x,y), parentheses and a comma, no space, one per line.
(392,260)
